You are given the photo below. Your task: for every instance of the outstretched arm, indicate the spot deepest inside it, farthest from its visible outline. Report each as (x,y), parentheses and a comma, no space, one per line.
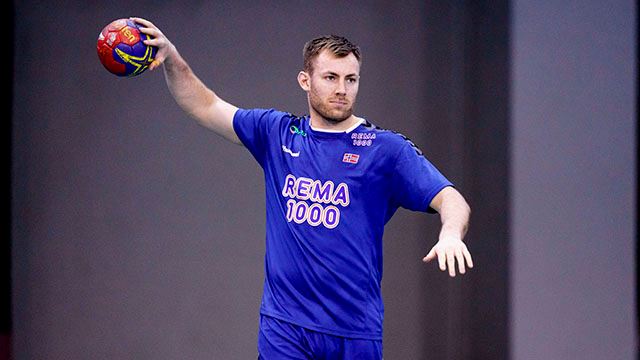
(195,98)
(450,249)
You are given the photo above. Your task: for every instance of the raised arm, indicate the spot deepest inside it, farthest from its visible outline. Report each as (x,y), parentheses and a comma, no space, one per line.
(193,96)
(450,249)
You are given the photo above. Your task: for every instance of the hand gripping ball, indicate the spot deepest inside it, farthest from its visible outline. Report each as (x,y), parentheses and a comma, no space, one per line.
(121,49)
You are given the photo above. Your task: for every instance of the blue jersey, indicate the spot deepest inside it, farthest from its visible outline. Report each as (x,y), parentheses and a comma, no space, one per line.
(328,197)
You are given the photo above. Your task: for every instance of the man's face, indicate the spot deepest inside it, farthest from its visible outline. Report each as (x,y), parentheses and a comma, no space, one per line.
(332,85)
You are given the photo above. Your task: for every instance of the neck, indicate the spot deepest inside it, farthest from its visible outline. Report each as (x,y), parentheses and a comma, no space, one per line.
(321,123)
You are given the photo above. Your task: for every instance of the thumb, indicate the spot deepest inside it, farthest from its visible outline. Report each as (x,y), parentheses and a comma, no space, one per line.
(430,256)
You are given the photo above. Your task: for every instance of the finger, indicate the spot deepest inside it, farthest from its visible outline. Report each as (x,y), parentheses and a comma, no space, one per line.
(153,41)
(442,260)
(467,256)
(460,260)
(156,63)
(153,33)
(144,22)
(451,263)
(430,256)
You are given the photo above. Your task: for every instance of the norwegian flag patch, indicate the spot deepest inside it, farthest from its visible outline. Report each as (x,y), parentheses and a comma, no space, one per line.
(350,158)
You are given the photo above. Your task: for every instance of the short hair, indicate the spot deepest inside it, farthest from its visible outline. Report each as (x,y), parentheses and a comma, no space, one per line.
(338,45)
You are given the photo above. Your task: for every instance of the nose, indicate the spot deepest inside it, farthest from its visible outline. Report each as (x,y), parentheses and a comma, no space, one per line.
(341,88)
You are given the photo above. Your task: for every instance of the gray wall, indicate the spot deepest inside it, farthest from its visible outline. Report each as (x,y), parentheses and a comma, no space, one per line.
(138,234)
(574,151)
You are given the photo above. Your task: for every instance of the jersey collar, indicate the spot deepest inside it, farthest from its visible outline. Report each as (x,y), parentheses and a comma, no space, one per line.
(350,129)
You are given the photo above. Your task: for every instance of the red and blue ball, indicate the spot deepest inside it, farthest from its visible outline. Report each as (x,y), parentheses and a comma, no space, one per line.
(121,49)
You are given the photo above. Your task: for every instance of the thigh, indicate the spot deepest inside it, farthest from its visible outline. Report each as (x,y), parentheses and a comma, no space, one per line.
(332,347)
(280,340)
(360,349)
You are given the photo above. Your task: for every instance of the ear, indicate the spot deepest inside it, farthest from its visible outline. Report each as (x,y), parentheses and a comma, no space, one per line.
(303,80)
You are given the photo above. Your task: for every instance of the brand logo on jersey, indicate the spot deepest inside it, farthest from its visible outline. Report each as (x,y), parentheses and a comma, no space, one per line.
(363,139)
(294,130)
(288,151)
(325,199)
(350,158)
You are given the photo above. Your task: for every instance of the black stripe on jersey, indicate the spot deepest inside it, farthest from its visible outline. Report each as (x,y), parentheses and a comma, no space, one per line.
(370,126)
(296,119)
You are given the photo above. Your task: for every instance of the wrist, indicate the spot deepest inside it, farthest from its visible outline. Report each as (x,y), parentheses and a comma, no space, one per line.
(450,231)
(172,57)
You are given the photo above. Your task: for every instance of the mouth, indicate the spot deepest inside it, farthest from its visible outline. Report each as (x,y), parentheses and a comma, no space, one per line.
(339,102)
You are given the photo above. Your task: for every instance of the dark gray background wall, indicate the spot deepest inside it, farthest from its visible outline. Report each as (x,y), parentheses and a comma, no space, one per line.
(7,27)
(574,180)
(138,234)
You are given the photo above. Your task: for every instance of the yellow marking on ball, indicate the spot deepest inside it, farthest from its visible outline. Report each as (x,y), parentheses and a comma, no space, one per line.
(127,32)
(141,63)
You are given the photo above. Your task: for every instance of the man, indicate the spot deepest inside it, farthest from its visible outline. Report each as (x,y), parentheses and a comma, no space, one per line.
(333,180)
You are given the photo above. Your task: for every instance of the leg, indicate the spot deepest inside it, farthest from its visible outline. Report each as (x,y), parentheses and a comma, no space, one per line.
(331,347)
(357,349)
(279,340)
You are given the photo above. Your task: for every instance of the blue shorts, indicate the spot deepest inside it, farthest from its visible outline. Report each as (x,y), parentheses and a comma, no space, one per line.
(280,340)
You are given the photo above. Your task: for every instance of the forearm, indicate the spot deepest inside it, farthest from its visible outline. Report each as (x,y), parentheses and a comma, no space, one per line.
(185,87)
(454,214)
(196,99)
(450,249)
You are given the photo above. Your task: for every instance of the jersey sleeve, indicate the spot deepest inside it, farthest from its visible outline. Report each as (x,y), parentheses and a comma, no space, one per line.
(253,127)
(416,181)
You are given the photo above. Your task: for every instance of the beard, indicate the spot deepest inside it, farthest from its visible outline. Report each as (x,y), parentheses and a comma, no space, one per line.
(327,111)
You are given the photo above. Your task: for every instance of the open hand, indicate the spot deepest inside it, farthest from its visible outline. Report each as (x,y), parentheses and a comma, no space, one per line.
(449,251)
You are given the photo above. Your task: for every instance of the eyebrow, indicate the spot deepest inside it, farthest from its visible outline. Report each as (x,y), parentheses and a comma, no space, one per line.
(336,74)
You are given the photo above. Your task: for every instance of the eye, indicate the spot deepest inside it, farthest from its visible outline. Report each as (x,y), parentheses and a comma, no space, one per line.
(330,77)
(352,80)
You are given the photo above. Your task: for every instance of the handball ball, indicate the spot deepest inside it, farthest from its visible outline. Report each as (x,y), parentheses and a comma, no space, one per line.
(121,49)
